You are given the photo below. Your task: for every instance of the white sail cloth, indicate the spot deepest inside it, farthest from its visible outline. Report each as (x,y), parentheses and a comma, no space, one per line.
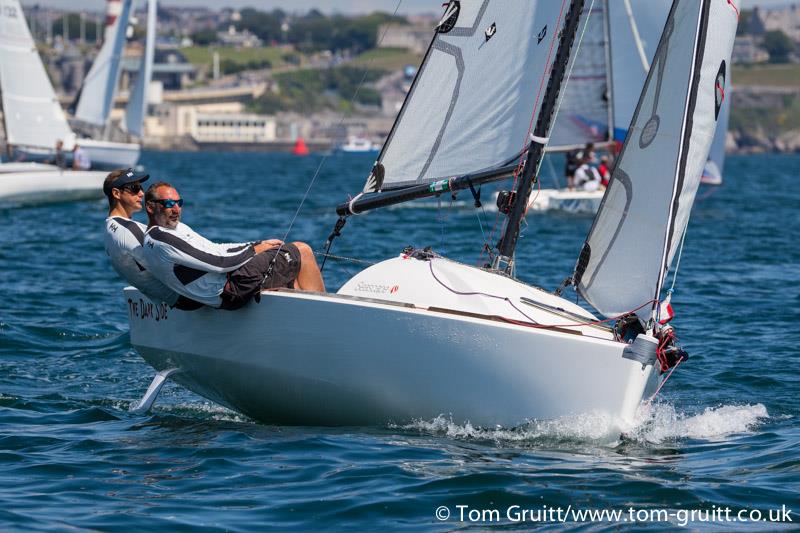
(646,208)
(634,27)
(712,173)
(137,104)
(33,116)
(585,111)
(100,85)
(481,82)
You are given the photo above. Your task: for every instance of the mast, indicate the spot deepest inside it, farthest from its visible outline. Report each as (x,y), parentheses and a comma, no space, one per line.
(508,242)
(609,77)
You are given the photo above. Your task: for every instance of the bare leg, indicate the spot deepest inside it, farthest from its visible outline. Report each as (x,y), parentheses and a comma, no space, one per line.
(309,278)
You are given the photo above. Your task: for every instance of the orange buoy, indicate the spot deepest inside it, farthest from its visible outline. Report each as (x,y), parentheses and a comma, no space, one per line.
(300,147)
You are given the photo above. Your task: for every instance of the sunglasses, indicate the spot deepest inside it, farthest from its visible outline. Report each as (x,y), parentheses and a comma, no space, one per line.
(169,203)
(133,188)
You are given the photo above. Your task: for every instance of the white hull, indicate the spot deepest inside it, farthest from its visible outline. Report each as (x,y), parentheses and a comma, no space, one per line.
(566,200)
(34,187)
(344,359)
(359,145)
(105,155)
(111,155)
(14,167)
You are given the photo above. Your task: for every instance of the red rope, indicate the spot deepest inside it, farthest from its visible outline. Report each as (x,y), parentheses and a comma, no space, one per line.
(532,323)
(730,3)
(661,385)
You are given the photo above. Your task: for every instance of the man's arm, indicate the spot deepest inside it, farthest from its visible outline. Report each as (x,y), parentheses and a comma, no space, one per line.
(196,254)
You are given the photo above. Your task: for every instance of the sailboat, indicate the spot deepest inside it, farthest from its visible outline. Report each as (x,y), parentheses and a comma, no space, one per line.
(33,118)
(36,142)
(419,335)
(99,89)
(617,48)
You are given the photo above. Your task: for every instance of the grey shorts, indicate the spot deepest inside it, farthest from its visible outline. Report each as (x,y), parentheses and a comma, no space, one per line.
(247,281)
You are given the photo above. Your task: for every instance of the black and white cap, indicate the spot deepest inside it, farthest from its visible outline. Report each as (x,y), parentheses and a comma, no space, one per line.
(130,176)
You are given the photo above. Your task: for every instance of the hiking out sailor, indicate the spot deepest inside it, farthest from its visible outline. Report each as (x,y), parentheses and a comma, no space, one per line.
(604,169)
(124,238)
(587,178)
(59,159)
(219,275)
(574,160)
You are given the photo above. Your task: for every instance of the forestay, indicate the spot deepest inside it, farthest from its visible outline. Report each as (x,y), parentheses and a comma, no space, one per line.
(99,87)
(137,104)
(481,82)
(646,207)
(33,116)
(585,112)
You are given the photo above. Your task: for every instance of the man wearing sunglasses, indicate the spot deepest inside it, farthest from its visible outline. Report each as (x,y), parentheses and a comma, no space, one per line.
(124,238)
(226,275)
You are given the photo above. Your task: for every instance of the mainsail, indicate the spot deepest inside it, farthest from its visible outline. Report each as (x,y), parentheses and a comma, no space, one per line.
(646,208)
(477,91)
(99,87)
(137,104)
(585,114)
(33,116)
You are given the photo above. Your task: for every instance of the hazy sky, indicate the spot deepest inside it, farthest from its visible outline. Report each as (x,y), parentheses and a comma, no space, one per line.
(328,6)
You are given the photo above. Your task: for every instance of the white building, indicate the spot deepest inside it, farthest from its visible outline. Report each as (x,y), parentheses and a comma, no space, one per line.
(786,19)
(212,123)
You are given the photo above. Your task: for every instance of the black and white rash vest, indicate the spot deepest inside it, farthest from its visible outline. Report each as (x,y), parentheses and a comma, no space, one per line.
(192,265)
(123,240)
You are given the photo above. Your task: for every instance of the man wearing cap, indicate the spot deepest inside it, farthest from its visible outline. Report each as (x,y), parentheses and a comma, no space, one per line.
(225,276)
(124,238)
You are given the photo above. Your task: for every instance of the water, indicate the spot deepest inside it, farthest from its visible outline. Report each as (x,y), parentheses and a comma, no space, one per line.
(723,433)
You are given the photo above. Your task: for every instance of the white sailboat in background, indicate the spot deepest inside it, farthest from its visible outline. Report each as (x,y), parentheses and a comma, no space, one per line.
(419,335)
(618,46)
(712,173)
(94,104)
(136,110)
(33,120)
(358,144)
(93,111)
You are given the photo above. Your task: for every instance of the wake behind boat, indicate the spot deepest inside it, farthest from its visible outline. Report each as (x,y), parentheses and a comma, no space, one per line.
(418,335)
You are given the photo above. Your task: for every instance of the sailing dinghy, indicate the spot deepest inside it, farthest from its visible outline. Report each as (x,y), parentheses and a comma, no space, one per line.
(476,344)
(33,118)
(607,74)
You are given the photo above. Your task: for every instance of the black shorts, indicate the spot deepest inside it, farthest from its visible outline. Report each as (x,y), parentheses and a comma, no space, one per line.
(248,280)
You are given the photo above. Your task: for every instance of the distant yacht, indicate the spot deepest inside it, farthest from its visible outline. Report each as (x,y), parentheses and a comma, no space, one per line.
(359,144)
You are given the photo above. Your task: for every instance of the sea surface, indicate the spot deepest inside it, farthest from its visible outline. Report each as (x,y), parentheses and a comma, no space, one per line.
(722,434)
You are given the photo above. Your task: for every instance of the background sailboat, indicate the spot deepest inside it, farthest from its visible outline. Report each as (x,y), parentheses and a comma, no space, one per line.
(418,335)
(26,88)
(92,114)
(33,120)
(608,73)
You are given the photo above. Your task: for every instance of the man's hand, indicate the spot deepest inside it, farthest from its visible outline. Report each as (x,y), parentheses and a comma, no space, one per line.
(268,244)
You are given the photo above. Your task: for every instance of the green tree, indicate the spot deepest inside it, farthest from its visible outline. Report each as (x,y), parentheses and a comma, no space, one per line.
(74,27)
(744,21)
(310,90)
(266,26)
(204,37)
(779,46)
